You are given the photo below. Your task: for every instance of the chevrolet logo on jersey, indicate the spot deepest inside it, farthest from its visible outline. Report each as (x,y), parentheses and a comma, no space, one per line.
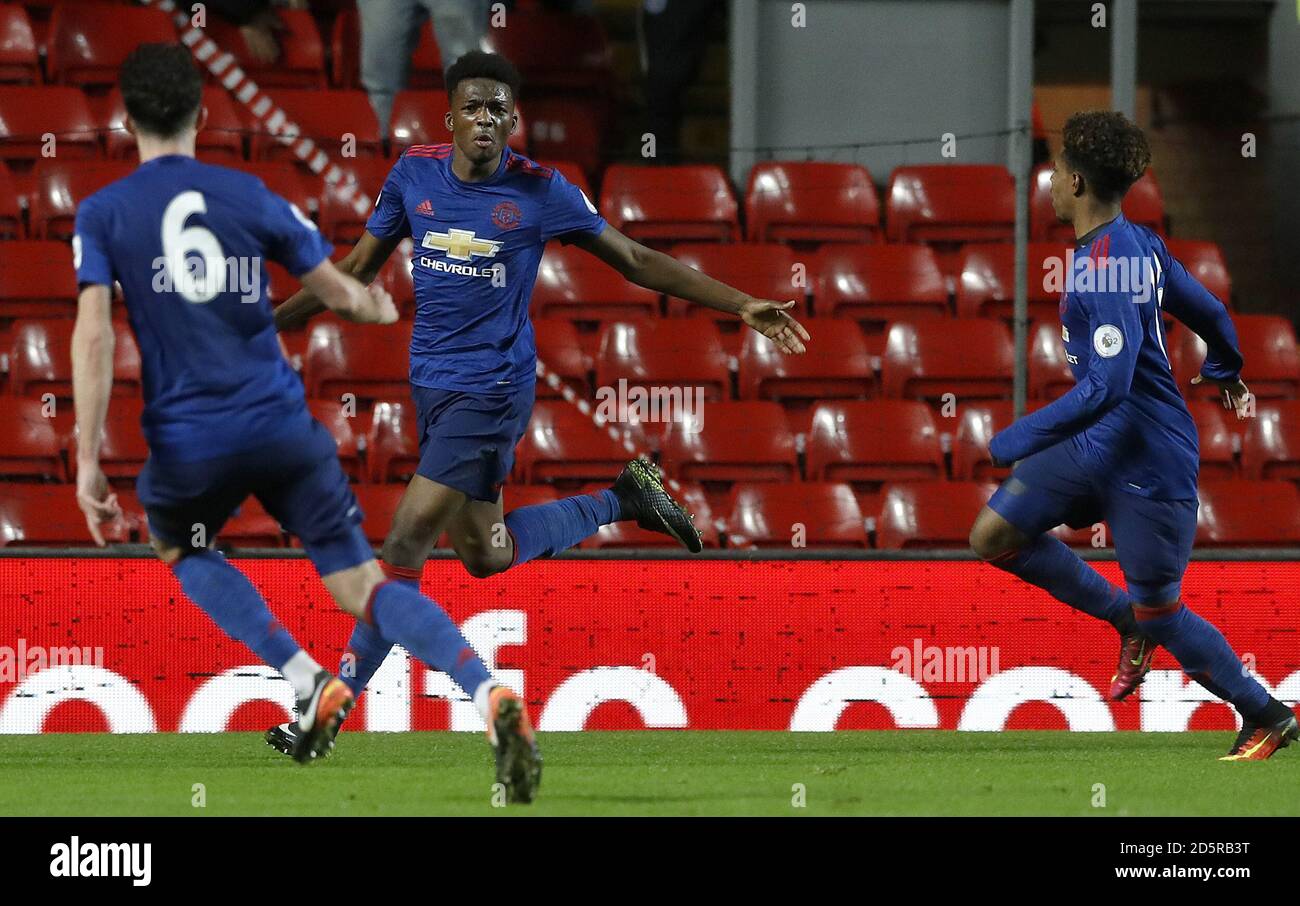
(461,244)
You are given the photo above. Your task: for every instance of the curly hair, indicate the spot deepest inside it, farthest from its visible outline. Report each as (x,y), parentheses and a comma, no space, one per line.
(1109,150)
(478,64)
(161,87)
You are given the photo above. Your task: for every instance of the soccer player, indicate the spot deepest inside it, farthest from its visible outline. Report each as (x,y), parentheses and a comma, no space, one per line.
(225,416)
(480,216)
(1121,445)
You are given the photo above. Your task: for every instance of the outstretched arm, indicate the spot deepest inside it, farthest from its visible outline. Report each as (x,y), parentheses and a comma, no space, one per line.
(363,263)
(665,274)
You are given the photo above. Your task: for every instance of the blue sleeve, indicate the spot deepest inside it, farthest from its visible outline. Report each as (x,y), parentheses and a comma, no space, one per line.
(90,245)
(568,210)
(388,220)
(290,238)
(1115,332)
(1191,303)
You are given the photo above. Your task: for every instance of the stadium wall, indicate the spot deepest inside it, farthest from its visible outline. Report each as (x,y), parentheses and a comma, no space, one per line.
(110,643)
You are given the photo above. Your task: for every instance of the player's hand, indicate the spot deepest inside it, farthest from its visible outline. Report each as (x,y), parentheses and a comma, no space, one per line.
(382,305)
(96,502)
(770,319)
(1233,394)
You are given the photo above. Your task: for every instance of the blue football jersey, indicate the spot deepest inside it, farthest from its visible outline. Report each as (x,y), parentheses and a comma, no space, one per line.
(477,246)
(1125,416)
(187,242)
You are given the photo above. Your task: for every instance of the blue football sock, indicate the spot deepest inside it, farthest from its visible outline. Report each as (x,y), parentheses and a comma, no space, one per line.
(549,528)
(367,648)
(1205,656)
(227,596)
(365,654)
(401,613)
(1048,563)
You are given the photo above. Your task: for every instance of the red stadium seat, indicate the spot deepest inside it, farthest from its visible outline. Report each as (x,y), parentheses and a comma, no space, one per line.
(122,450)
(1248,514)
(221,140)
(747,441)
(61,186)
(1204,261)
(88,42)
(986,286)
(623,535)
(324,117)
(11,215)
(1049,372)
(1268,344)
(378,504)
(301,62)
(666,204)
(42,516)
(836,364)
(367,360)
(555,50)
(37,280)
(516,496)
(574,284)
(18,58)
(764,270)
(393,441)
(874,441)
(340,220)
(419,119)
(880,282)
(343,421)
(930,513)
(563,443)
(560,353)
(30,445)
(976,425)
(950,203)
(40,359)
(811,201)
(1271,446)
(661,355)
(968,357)
(1218,458)
(1143,205)
(30,112)
(251,526)
(569,128)
(810,514)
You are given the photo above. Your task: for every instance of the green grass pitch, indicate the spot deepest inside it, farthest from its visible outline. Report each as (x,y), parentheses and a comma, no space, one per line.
(654,773)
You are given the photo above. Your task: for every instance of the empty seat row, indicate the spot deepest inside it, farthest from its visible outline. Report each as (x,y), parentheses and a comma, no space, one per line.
(87,42)
(924,514)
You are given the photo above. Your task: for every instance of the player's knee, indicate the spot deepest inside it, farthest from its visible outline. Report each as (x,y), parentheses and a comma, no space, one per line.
(167,552)
(992,536)
(484,563)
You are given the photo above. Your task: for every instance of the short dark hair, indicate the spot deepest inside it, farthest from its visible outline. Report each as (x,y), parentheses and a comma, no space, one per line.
(1108,149)
(161,87)
(479,64)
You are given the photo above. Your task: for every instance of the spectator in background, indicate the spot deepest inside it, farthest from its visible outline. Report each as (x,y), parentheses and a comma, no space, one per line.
(674,35)
(390,30)
(257,23)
